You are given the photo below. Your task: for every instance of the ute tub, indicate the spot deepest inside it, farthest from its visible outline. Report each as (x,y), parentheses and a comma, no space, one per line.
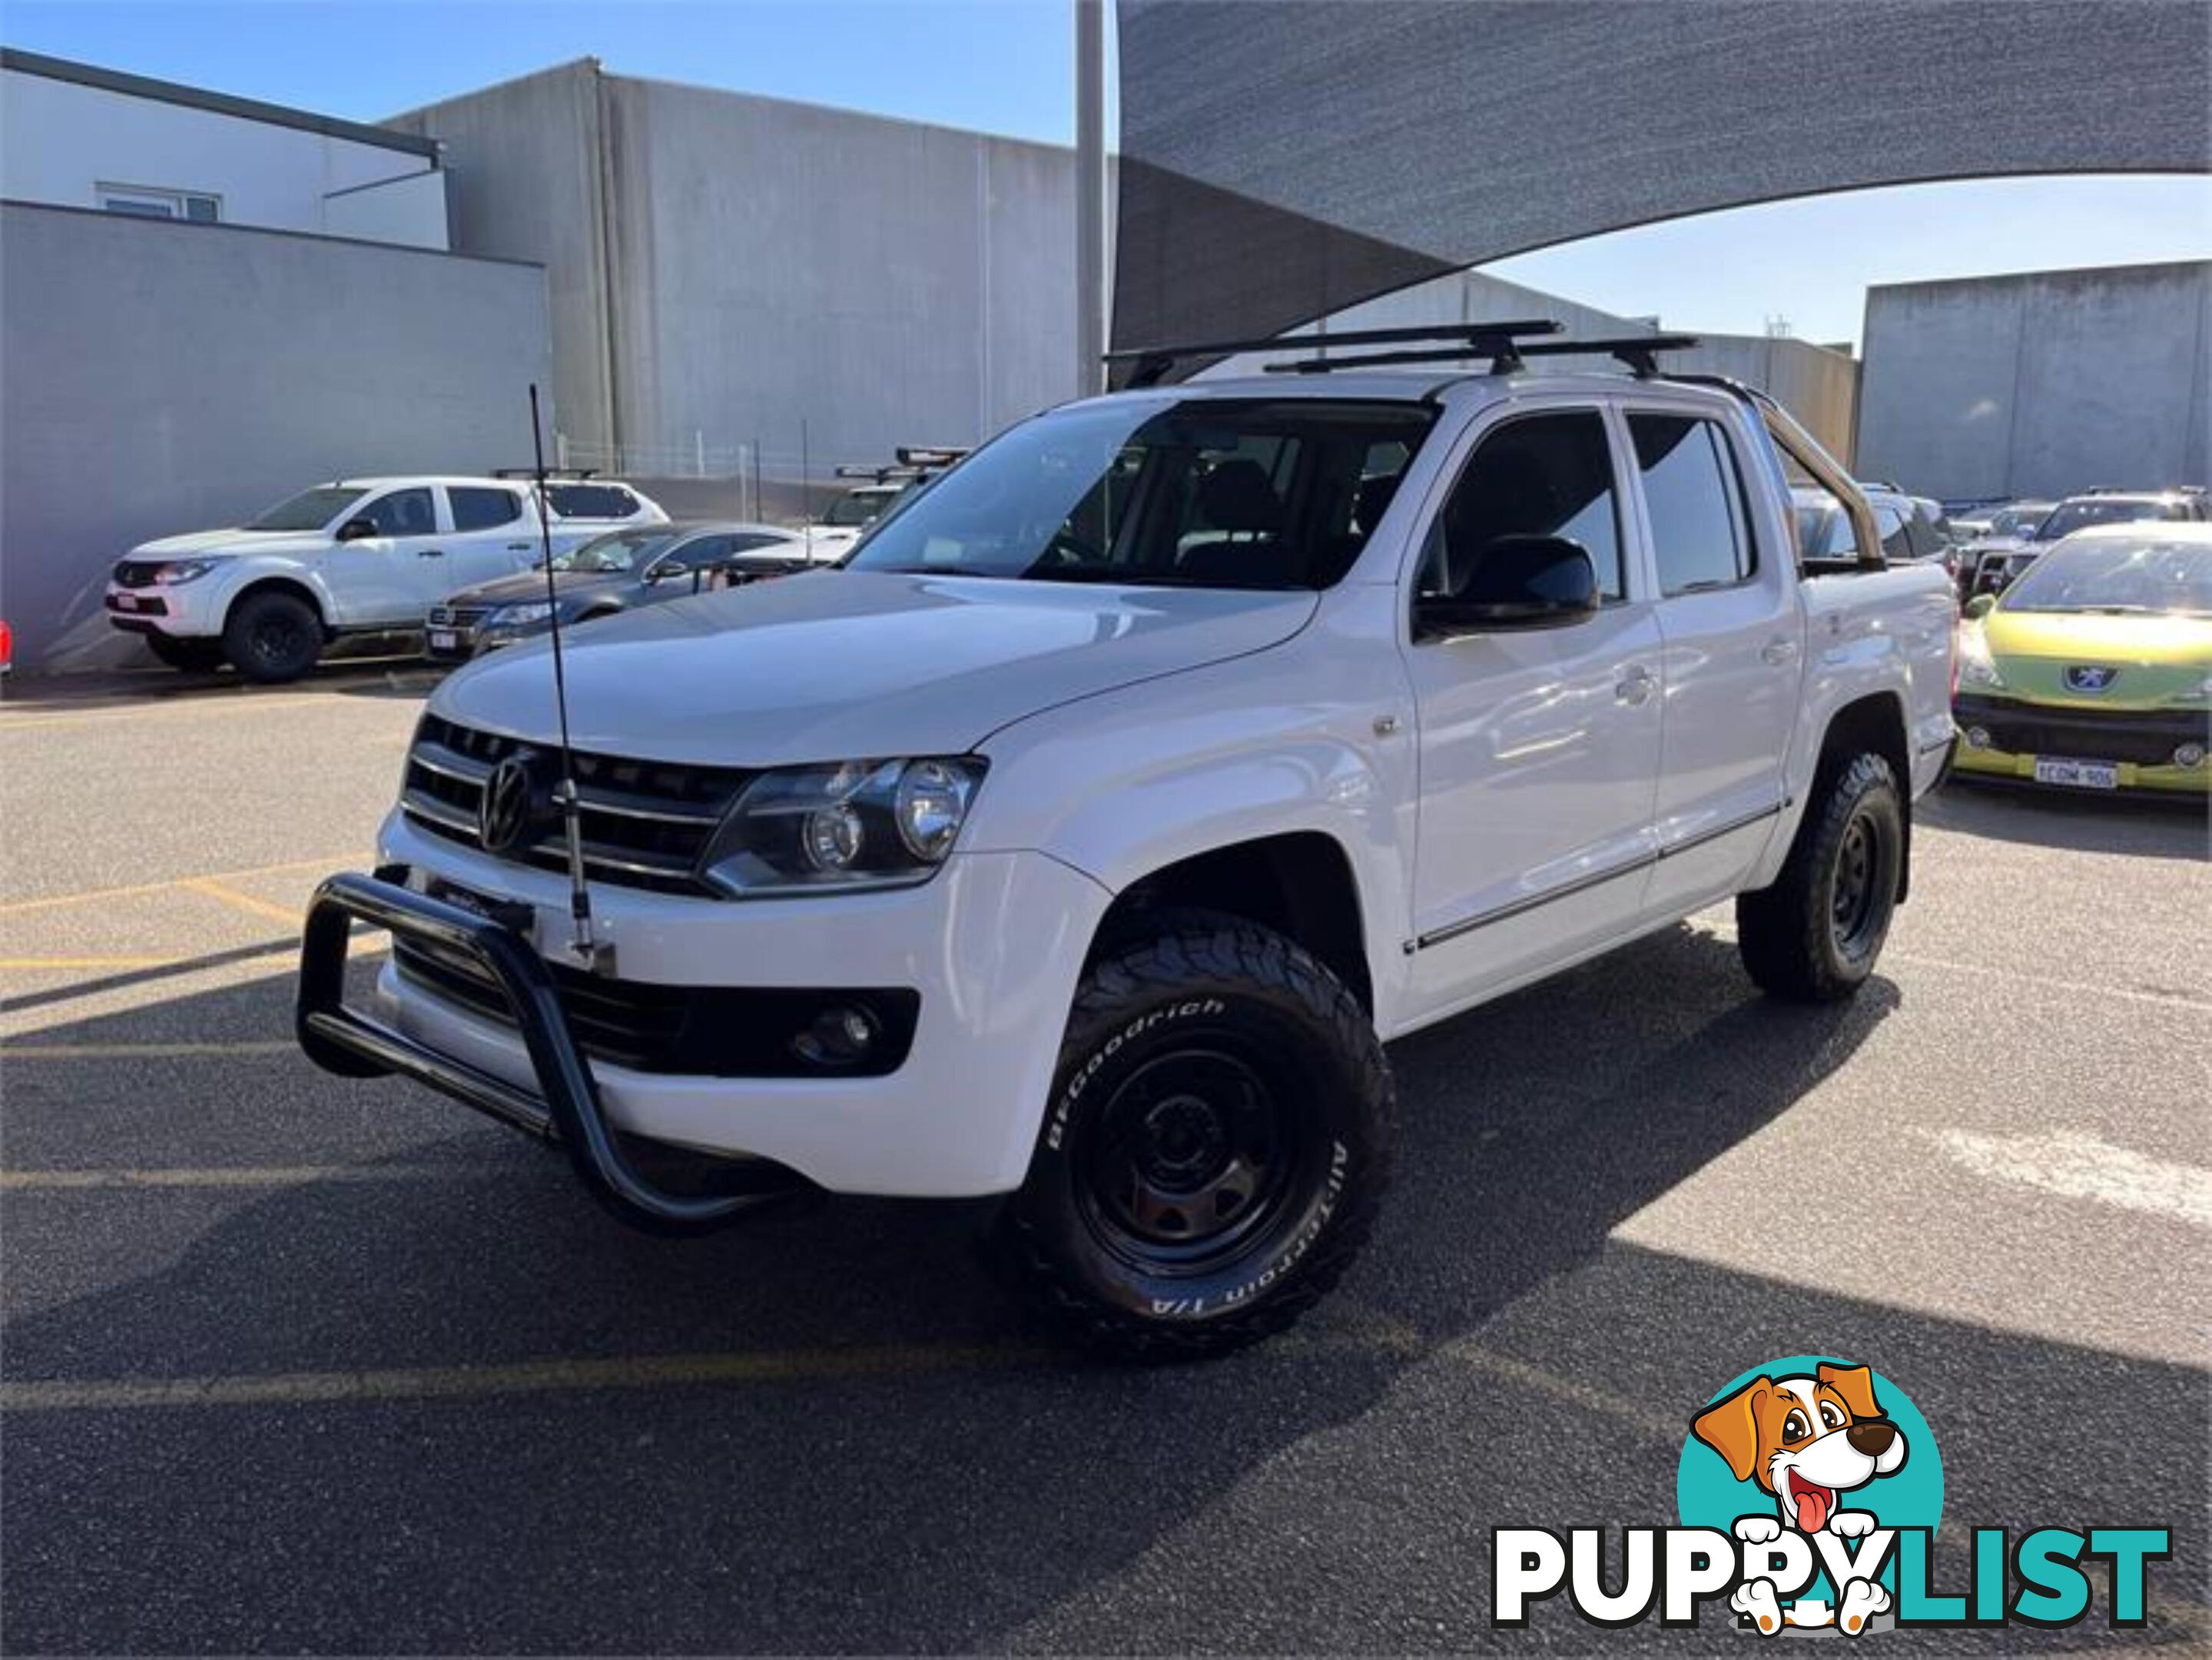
(993,945)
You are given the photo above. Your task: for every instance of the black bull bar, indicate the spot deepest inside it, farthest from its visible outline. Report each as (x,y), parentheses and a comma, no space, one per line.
(564,1111)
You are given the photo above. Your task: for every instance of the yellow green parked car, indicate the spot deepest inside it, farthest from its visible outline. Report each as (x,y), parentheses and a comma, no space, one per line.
(2093,671)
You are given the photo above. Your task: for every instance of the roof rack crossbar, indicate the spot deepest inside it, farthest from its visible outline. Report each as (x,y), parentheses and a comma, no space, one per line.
(1152,363)
(563,473)
(1639,352)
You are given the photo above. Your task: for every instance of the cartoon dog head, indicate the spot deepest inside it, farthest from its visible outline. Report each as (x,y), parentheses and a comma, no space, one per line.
(1805,1439)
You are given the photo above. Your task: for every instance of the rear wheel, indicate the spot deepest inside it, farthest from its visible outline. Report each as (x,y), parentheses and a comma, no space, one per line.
(1217,1143)
(1813,936)
(272,636)
(190,656)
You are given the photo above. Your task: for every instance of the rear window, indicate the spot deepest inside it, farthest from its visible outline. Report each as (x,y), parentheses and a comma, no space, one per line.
(592,501)
(477,506)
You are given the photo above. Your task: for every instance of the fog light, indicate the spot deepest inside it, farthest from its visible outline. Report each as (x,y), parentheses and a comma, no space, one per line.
(2189,754)
(839,1036)
(1977,738)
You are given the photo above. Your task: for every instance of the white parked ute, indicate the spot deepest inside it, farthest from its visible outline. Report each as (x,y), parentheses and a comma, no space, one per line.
(357,556)
(1086,837)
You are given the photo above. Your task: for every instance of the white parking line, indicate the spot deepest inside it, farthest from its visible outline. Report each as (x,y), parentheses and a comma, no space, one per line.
(2082,1167)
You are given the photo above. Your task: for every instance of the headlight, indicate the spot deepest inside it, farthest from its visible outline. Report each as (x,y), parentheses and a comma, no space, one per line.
(185,570)
(520,616)
(855,824)
(1976,666)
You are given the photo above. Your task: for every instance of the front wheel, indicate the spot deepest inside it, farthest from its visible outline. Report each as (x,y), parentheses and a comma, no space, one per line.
(1216,1147)
(272,636)
(1813,937)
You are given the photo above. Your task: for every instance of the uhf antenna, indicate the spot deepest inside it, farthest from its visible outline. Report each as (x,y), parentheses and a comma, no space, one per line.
(593,956)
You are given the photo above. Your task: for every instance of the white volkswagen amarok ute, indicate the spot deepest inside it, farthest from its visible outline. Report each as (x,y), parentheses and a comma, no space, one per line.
(356,555)
(1088,836)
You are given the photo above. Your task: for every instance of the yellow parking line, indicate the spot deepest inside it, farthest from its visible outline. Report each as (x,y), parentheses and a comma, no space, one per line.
(215,889)
(140,1051)
(526,1377)
(91,896)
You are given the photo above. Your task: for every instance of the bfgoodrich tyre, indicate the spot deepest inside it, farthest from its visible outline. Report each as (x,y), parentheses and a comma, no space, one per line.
(1813,936)
(1216,1143)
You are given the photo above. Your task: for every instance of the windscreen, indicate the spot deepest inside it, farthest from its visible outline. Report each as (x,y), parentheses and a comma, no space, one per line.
(2070,516)
(1199,493)
(2118,575)
(308,510)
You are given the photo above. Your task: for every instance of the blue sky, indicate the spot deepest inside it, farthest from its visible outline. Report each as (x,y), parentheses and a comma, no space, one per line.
(1005,66)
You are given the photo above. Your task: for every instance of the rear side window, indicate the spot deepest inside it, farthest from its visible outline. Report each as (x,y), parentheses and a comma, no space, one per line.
(477,507)
(592,501)
(1701,525)
(1542,475)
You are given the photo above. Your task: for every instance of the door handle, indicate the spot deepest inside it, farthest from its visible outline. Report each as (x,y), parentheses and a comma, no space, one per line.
(430,553)
(521,547)
(1778,651)
(1634,686)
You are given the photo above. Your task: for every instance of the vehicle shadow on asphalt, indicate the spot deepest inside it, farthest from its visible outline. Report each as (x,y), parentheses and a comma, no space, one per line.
(2147,826)
(1494,1360)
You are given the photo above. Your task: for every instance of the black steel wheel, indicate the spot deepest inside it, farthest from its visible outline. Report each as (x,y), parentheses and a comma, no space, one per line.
(1216,1145)
(1813,936)
(272,636)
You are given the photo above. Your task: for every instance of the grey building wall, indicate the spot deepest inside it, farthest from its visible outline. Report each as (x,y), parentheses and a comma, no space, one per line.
(157,378)
(731,271)
(1819,386)
(2042,384)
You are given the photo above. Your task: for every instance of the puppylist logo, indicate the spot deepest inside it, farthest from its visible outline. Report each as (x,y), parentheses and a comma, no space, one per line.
(1808,1493)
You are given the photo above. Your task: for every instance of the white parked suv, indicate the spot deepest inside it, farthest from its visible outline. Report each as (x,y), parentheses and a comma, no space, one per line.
(1087,836)
(357,556)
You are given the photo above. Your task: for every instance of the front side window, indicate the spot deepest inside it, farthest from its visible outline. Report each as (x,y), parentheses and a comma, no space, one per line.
(1700,527)
(1199,493)
(617,550)
(477,506)
(402,513)
(1542,475)
(312,509)
(592,501)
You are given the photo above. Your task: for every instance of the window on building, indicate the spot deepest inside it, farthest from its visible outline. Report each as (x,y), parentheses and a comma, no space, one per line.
(155,204)
(1700,528)
(480,507)
(1542,475)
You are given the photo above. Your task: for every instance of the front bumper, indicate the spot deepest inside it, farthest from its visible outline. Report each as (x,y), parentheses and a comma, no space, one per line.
(2014,733)
(993,945)
(174,610)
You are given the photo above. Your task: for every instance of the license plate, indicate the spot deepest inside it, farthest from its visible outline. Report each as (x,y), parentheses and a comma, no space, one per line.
(444,640)
(123,601)
(2078,775)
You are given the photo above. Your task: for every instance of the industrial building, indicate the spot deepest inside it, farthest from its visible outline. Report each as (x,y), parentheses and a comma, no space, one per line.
(2041,385)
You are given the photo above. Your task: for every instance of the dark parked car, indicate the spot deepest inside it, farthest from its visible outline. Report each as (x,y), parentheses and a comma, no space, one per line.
(613,573)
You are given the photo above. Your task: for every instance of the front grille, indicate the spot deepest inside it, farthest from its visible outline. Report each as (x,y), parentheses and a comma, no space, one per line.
(138,572)
(701,1032)
(458,617)
(645,823)
(2148,738)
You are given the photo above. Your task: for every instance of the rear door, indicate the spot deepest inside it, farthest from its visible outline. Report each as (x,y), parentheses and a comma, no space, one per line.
(492,537)
(1734,644)
(1539,749)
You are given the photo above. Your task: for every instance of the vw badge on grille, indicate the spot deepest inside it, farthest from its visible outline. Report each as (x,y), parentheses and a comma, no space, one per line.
(510,809)
(2090,676)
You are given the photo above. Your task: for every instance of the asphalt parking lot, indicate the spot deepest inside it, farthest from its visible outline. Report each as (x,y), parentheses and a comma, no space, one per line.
(294,1364)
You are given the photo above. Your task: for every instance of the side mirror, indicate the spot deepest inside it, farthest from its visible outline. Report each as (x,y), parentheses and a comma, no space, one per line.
(358,530)
(1981,605)
(669,570)
(1518,582)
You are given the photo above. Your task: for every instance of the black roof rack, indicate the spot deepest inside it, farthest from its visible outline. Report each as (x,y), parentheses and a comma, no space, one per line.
(1507,353)
(565,473)
(1152,363)
(925,456)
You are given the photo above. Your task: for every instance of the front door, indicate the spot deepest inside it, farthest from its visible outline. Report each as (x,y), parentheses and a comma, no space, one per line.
(382,580)
(1539,748)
